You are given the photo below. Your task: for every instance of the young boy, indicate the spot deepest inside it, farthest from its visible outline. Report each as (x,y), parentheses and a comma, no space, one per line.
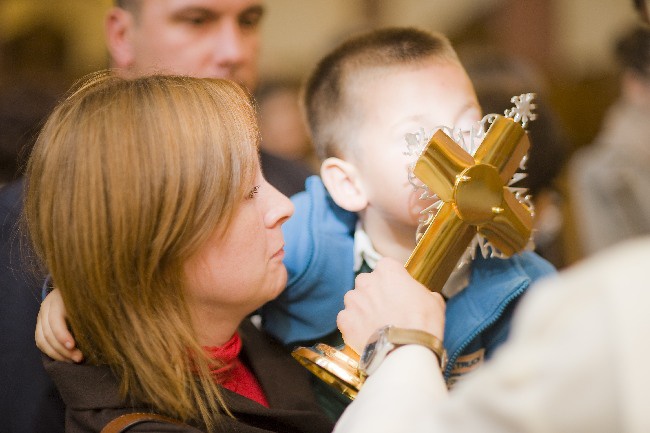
(361,101)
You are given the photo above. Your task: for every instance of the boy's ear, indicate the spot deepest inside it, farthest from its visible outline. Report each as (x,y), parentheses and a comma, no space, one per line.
(119,24)
(343,182)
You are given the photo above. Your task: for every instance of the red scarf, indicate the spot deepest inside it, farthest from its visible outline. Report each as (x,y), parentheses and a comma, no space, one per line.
(235,376)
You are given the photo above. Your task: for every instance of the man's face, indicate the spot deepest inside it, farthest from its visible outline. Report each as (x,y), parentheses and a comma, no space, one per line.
(200,38)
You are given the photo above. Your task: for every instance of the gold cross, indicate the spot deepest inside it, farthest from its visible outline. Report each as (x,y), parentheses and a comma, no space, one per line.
(476,199)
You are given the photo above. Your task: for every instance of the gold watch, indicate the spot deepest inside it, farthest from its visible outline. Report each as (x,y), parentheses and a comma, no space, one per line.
(389,338)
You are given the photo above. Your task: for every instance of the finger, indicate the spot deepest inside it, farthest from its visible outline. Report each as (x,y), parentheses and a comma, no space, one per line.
(59,326)
(346,299)
(341,320)
(38,334)
(352,330)
(57,320)
(357,302)
(362,281)
(76,355)
(60,331)
(41,339)
(53,347)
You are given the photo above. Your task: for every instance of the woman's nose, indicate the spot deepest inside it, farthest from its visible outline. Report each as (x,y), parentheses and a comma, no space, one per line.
(280,208)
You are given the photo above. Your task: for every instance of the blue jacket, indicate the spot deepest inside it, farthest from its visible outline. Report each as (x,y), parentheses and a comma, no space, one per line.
(319,241)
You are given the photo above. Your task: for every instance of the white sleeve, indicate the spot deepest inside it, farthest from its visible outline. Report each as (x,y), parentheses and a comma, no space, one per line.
(575,362)
(407,383)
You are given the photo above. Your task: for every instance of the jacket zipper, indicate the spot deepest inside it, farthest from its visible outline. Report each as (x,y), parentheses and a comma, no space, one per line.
(452,359)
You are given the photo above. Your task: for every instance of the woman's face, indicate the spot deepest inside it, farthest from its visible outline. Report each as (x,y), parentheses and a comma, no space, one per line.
(237,271)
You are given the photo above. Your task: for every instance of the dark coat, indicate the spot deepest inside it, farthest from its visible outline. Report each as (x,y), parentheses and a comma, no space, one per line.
(286,176)
(29,401)
(91,394)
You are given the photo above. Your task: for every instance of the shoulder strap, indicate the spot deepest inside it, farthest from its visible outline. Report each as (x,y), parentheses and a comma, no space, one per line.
(125,422)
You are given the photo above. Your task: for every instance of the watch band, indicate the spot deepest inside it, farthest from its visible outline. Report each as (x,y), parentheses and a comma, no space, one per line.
(389,338)
(402,337)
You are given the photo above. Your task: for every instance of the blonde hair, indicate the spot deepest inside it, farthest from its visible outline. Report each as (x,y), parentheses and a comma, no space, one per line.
(331,110)
(127,179)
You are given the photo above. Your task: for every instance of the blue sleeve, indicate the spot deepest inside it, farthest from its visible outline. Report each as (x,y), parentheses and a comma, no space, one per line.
(47,287)
(319,242)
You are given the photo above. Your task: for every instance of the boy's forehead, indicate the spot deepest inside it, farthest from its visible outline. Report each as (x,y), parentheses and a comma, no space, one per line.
(396,98)
(360,71)
(363,79)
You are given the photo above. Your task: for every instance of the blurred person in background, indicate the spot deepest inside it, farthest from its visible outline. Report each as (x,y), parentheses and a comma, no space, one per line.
(198,38)
(23,107)
(610,179)
(281,122)
(497,77)
(29,402)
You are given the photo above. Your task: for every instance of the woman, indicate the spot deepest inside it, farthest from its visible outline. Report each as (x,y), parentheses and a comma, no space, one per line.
(146,204)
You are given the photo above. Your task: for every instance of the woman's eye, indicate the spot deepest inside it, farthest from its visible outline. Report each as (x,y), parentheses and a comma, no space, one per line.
(253,191)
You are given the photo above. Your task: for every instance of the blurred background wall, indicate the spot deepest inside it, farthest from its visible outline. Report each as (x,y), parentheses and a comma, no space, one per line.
(47,44)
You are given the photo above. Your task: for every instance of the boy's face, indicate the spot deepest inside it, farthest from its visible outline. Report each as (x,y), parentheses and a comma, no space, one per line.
(397,101)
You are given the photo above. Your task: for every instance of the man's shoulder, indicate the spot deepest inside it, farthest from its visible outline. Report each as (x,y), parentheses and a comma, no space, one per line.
(285,175)
(11,199)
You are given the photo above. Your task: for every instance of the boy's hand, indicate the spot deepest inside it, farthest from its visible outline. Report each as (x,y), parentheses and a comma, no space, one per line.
(389,296)
(52,334)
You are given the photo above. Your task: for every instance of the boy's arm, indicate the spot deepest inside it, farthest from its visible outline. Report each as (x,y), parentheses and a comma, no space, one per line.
(319,244)
(52,334)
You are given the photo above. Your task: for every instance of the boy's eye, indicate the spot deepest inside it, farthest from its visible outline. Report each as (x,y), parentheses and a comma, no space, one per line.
(253,191)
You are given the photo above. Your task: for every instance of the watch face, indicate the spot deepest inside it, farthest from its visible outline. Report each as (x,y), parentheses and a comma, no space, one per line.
(369,352)
(375,351)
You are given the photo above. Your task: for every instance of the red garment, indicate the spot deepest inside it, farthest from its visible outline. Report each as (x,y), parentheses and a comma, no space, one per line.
(235,376)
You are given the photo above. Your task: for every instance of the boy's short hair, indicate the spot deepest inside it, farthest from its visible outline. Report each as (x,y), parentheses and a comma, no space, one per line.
(328,107)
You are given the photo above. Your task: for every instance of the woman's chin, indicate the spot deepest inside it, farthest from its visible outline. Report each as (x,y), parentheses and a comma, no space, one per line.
(281,283)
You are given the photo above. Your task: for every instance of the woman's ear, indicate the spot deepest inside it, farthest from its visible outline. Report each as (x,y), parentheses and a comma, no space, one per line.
(344,184)
(119,24)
